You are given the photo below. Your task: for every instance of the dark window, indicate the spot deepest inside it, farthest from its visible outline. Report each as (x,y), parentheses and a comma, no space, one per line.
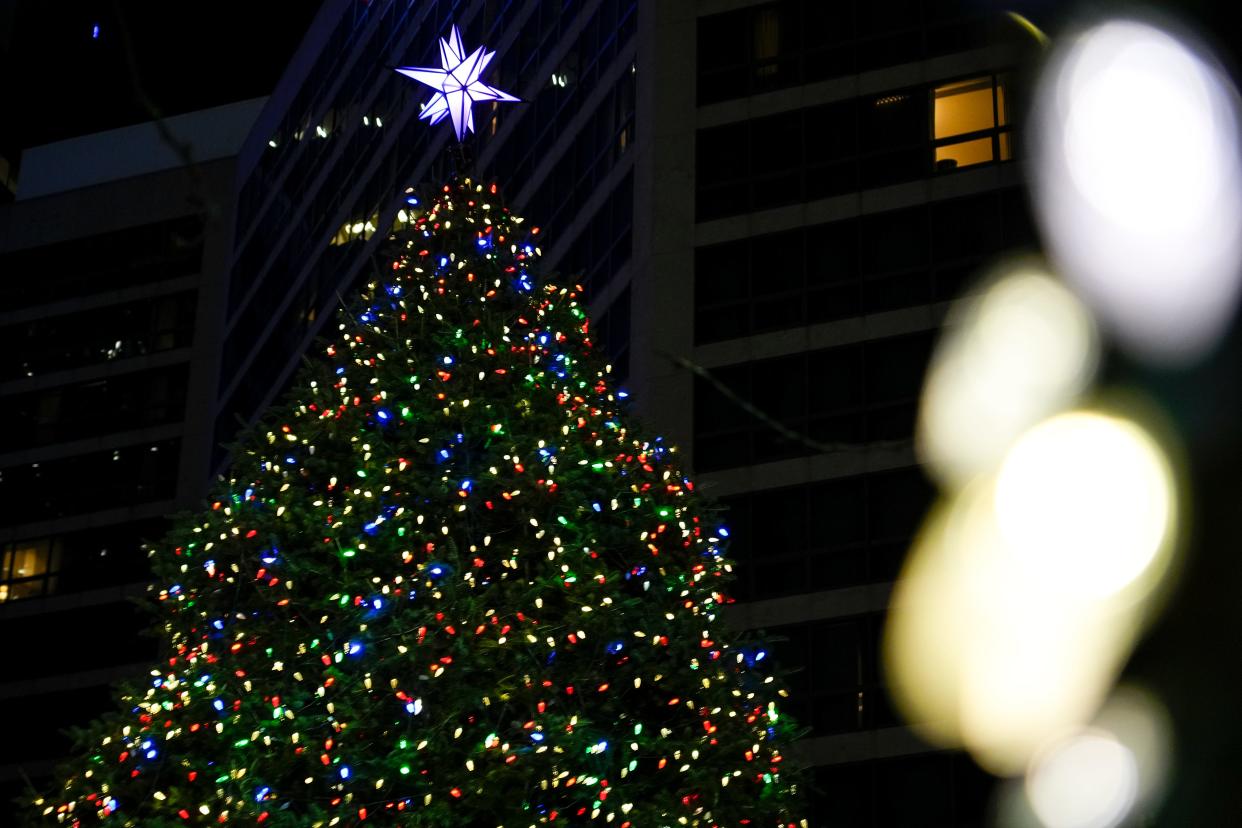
(941,789)
(714,410)
(894,119)
(91,482)
(612,331)
(841,796)
(604,245)
(101,263)
(966,227)
(837,686)
(789,406)
(831,271)
(826,535)
(93,408)
(115,636)
(791,42)
(722,155)
(108,555)
(57,343)
(76,706)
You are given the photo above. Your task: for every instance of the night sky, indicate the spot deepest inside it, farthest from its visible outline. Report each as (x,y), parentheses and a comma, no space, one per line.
(73,67)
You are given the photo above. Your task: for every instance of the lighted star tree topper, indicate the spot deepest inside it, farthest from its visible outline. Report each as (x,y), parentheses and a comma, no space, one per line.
(448,581)
(457,84)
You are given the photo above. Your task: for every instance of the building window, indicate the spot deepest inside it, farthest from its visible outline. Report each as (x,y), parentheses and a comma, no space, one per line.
(612,333)
(826,535)
(874,263)
(116,332)
(941,789)
(28,569)
(93,408)
(892,137)
(841,686)
(102,263)
(84,483)
(970,123)
(742,52)
(767,41)
(854,393)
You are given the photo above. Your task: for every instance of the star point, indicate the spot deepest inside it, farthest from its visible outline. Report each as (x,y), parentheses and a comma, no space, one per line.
(457,84)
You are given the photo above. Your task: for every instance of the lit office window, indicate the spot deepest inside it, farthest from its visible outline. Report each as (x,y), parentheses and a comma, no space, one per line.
(28,569)
(970,123)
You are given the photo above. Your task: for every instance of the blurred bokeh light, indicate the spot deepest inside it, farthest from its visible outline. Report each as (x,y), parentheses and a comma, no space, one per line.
(1026,590)
(1087,780)
(1063,507)
(1022,349)
(981,655)
(1111,772)
(1137,184)
(1087,502)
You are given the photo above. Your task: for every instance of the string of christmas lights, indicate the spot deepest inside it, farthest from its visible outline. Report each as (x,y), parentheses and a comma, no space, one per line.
(446,583)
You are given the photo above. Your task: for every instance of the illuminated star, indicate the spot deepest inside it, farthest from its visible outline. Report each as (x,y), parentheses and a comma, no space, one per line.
(456,83)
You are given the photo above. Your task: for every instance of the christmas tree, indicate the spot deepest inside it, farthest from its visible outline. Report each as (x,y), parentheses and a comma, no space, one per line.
(447,582)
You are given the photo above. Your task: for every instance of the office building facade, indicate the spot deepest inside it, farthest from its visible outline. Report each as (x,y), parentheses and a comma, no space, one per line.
(111,308)
(846,172)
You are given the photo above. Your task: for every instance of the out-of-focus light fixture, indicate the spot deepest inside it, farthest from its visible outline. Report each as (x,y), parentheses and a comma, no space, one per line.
(1101,775)
(1138,184)
(1026,589)
(1087,502)
(1086,780)
(1021,350)
(981,655)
